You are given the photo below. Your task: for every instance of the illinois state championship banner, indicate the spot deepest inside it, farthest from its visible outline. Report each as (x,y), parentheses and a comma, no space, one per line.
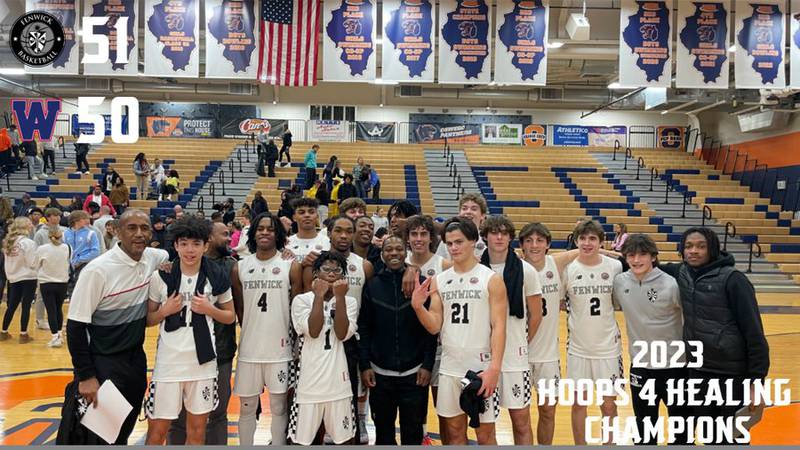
(760,34)
(702,52)
(408,40)
(645,43)
(171,41)
(520,48)
(231,39)
(118,11)
(348,48)
(794,44)
(67,12)
(465,28)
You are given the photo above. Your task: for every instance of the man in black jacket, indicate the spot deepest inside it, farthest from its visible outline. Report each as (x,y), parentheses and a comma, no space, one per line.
(396,352)
(720,310)
(271,156)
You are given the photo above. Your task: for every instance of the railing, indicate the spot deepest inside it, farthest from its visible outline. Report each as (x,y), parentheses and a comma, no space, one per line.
(687,200)
(212,190)
(230,166)
(62,146)
(201,203)
(786,194)
(750,257)
(639,165)
(628,154)
(653,176)
(730,231)
(459,188)
(616,147)
(668,187)
(706,209)
(222,180)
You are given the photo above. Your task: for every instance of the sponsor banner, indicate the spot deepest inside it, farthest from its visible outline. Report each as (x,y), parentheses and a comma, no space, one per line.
(375,132)
(231,39)
(501,133)
(245,128)
(158,126)
(349,40)
(702,52)
(67,12)
(794,45)
(670,137)
(579,136)
(115,9)
(521,44)
(171,38)
(88,128)
(328,130)
(436,133)
(534,135)
(408,40)
(645,44)
(760,34)
(464,35)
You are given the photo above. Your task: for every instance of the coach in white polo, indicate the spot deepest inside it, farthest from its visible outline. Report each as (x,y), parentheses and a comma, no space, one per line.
(107,317)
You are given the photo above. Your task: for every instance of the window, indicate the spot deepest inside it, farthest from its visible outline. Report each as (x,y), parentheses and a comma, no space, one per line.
(332,112)
(327,112)
(338,113)
(315,112)
(350,113)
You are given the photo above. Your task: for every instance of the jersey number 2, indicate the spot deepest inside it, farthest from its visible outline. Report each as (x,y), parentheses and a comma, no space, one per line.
(262,302)
(460,313)
(594,308)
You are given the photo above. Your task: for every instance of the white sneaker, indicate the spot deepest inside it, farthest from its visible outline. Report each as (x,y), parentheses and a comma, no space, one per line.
(42,324)
(55,342)
(35,178)
(362,426)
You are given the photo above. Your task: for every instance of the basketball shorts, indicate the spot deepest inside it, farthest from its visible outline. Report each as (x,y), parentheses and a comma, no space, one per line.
(594,369)
(447,402)
(252,377)
(337,415)
(514,389)
(543,372)
(165,399)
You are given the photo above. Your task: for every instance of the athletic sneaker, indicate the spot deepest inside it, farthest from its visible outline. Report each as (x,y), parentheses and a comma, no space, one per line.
(427,440)
(56,342)
(25,338)
(42,324)
(4,336)
(362,426)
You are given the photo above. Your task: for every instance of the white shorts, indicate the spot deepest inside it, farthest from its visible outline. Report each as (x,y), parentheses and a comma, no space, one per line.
(337,415)
(448,405)
(594,369)
(166,398)
(514,389)
(252,377)
(543,372)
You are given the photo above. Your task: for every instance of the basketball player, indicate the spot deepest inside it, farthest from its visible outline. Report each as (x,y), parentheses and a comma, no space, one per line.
(307,243)
(524,294)
(262,284)
(471,207)
(353,208)
(184,301)
(362,240)
(397,215)
(594,347)
(468,306)
(324,318)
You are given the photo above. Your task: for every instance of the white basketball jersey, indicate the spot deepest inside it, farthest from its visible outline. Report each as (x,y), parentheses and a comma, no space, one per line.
(480,247)
(302,247)
(544,345)
(466,329)
(356,278)
(266,290)
(515,356)
(592,329)
(434,266)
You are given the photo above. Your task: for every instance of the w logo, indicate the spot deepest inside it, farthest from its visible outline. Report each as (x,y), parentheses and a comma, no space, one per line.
(36,116)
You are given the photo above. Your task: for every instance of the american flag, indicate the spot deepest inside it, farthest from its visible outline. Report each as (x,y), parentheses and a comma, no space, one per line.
(289,42)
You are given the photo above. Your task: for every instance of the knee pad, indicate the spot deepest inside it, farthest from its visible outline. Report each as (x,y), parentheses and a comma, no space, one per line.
(277,404)
(248,406)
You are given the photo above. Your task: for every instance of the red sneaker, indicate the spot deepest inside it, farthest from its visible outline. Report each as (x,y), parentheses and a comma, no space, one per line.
(426,440)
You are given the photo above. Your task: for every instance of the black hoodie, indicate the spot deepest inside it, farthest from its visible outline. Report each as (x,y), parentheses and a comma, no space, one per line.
(721,311)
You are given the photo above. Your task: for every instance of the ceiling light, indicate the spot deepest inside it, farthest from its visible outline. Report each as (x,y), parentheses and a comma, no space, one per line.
(274,102)
(555,44)
(732,48)
(381,81)
(380,106)
(12,71)
(614,85)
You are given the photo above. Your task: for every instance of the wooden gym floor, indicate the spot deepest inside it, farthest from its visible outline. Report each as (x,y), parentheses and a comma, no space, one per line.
(32,379)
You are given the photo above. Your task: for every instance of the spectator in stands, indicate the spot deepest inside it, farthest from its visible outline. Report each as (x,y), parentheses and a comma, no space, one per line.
(353,208)
(310,164)
(49,155)
(347,189)
(374,183)
(258,205)
(24,206)
(379,219)
(16,140)
(262,137)
(200,214)
(53,275)
(141,168)
(35,216)
(6,149)
(323,196)
(20,270)
(83,240)
(105,217)
(120,196)
(572,242)
(109,179)
(100,199)
(285,147)
(620,235)
(177,211)
(216,217)
(171,186)
(244,211)
(327,172)
(6,211)
(357,169)
(271,156)
(159,236)
(76,205)
(228,213)
(158,174)
(30,148)
(81,163)
(235,228)
(110,234)
(242,249)
(54,203)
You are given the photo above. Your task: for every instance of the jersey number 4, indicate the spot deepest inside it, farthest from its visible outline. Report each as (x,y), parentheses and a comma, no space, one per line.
(460,313)
(262,302)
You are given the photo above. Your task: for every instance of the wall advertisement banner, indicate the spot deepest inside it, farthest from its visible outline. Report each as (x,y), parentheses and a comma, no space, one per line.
(436,133)
(375,132)
(501,133)
(580,136)
(158,126)
(328,130)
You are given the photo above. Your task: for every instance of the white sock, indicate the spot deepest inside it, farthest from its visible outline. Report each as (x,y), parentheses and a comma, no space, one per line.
(280,418)
(362,411)
(247,419)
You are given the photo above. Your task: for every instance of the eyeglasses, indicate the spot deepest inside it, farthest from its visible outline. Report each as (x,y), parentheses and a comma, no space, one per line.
(336,270)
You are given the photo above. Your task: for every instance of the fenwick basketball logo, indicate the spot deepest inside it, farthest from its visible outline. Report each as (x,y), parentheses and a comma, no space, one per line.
(37,38)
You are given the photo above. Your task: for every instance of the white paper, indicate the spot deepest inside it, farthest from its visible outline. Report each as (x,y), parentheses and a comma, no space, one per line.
(112,408)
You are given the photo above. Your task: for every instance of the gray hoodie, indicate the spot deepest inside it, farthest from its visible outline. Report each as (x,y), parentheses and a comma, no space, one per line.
(652,310)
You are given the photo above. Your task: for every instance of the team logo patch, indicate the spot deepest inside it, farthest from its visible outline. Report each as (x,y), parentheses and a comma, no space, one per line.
(549,274)
(449,282)
(346,422)
(652,295)
(318,247)
(351,268)
(282,376)
(206,393)
(480,246)
(276,270)
(37,38)
(431,272)
(473,280)
(516,390)
(604,276)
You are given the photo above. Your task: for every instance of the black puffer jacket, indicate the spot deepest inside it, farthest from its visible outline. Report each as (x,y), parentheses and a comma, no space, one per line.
(721,311)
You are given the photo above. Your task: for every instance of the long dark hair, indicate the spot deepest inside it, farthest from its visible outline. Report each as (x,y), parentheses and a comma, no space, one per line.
(711,239)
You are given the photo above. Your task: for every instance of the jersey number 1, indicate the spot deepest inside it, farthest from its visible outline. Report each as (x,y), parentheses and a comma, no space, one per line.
(460,313)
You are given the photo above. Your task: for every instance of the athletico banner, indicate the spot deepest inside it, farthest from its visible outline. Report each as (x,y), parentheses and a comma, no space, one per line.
(794,45)
(645,44)
(171,38)
(436,133)
(579,136)
(375,132)
(534,135)
(66,11)
(702,53)
(521,45)
(179,127)
(328,130)
(115,9)
(231,39)
(408,40)
(245,128)
(760,34)
(349,40)
(88,128)
(464,34)
(501,133)
(670,137)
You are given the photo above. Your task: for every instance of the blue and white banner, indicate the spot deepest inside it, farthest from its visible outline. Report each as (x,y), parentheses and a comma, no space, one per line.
(702,53)
(79,128)
(521,45)
(794,45)
(171,38)
(579,136)
(645,43)
(760,34)
(67,12)
(231,43)
(348,48)
(114,9)
(408,45)
(465,53)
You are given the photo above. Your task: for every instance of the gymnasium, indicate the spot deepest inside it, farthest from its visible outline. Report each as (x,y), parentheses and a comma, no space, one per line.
(646,117)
